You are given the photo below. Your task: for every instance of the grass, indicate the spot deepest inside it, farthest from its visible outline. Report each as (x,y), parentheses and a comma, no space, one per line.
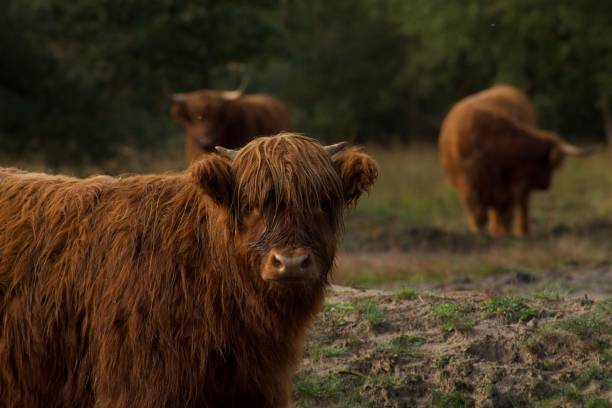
(370,311)
(551,294)
(404,346)
(587,326)
(512,309)
(317,350)
(452,400)
(594,373)
(339,313)
(413,209)
(454,317)
(405,294)
(441,361)
(310,389)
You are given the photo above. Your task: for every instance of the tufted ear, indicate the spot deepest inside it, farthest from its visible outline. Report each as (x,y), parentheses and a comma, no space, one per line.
(213,174)
(357,170)
(178,111)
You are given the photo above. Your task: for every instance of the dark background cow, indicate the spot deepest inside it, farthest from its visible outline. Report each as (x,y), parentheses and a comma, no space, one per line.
(226,118)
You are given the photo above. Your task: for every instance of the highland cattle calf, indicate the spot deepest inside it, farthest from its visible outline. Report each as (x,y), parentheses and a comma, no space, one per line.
(495,161)
(186,290)
(226,118)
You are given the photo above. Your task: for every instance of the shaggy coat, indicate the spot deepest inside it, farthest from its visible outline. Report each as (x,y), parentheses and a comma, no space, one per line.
(220,118)
(149,291)
(508,100)
(495,161)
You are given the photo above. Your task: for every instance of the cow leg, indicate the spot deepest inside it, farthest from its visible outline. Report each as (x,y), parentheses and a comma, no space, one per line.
(521,226)
(477,213)
(501,220)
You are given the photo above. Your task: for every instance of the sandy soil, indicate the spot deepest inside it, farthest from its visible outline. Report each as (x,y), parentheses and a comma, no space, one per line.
(465,343)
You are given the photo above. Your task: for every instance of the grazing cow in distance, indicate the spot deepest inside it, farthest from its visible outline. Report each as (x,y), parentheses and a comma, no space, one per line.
(495,161)
(226,118)
(507,99)
(186,290)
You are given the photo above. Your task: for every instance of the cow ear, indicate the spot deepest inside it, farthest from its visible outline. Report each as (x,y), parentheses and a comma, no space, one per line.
(212,173)
(178,111)
(357,170)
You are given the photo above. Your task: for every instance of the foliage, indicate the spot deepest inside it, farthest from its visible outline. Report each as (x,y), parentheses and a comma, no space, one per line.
(86,76)
(81,79)
(511,308)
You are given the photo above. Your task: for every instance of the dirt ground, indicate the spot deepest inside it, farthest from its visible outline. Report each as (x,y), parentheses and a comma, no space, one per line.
(595,281)
(513,340)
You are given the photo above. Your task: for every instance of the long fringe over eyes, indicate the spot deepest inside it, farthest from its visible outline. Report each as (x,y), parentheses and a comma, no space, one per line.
(287,170)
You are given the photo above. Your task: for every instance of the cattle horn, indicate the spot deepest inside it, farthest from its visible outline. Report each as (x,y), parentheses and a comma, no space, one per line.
(177,97)
(335,148)
(229,153)
(237,93)
(572,150)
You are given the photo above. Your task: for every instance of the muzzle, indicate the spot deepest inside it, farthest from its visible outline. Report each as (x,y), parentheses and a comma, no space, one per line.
(290,265)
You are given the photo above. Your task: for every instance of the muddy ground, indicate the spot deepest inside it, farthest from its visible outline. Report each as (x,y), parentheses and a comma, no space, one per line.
(515,340)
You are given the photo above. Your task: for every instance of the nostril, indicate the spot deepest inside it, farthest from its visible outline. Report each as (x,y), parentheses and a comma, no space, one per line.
(305,263)
(276,262)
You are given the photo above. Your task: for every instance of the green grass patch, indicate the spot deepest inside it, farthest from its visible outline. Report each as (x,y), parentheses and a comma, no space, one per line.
(605,307)
(404,345)
(550,294)
(312,389)
(317,350)
(454,316)
(548,340)
(370,311)
(594,373)
(510,308)
(587,326)
(596,402)
(574,395)
(405,294)
(441,361)
(338,313)
(451,400)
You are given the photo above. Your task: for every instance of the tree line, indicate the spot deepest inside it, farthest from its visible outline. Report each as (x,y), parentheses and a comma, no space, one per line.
(80,78)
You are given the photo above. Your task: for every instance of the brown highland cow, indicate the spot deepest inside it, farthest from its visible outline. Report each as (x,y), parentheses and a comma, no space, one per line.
(226,118)
(186,290)
(508,100)
(495,160)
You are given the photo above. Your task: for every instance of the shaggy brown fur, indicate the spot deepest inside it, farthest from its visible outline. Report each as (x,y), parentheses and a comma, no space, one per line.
(508,100)
(495,162)
(147,291)
(212,119)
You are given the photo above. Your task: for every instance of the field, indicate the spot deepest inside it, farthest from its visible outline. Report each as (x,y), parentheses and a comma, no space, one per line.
(412,228)
(447,319)
(423,313)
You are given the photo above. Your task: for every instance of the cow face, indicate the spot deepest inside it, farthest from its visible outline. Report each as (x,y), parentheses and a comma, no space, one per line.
(202,115)
(285,196)
(541,171)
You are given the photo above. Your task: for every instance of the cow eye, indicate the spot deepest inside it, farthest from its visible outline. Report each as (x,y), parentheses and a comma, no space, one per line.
(271,198)
(326,207)
(246,210)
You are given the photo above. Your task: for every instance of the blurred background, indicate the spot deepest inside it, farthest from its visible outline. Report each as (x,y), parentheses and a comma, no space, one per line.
(82,81)
(82,91)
